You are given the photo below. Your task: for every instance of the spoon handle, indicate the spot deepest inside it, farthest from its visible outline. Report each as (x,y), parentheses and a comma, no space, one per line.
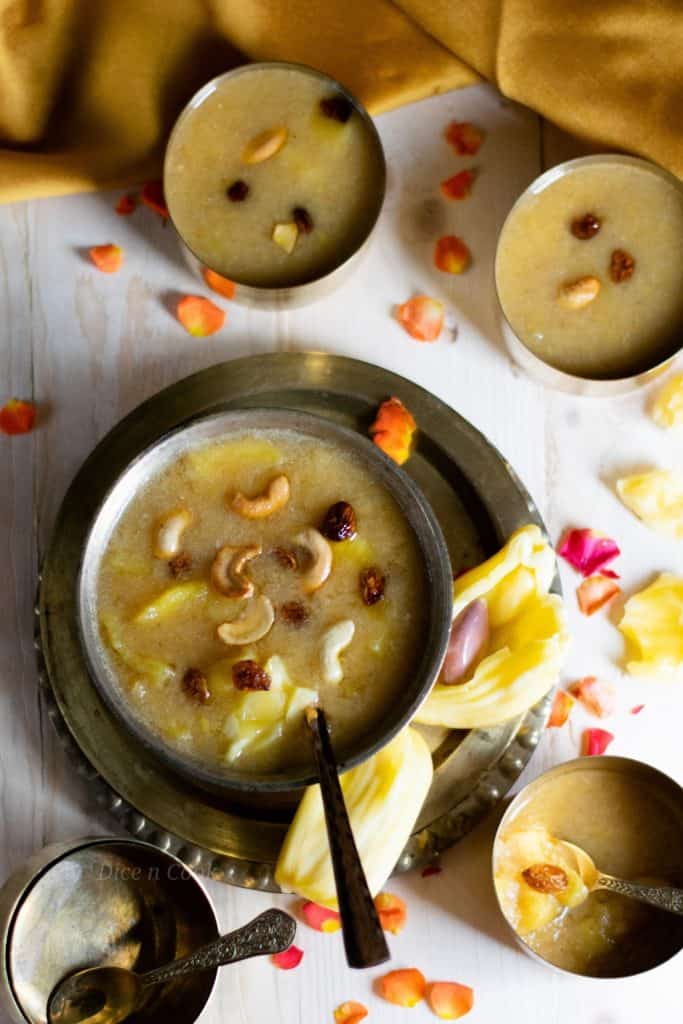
(364,940)
(270,932)
(666,897)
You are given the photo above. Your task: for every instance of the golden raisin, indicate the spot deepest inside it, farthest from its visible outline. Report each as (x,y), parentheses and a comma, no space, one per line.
(545,878)
(180,564)
(195,685)
(285,557)
(622,266)
(586,227)
(302,219)
(339,522)
(238,191)
(248,675)
(372,585)
(337,107)
(294,613)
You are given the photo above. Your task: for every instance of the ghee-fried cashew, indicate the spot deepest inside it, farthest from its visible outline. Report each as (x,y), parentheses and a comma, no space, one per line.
(335,640)
(229,569)
(255,621)
(321,554)
(170,532)
(275,497)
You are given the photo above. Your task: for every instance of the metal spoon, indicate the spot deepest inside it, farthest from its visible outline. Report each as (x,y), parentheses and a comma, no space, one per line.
(107,995)
(364,940)
(666,897)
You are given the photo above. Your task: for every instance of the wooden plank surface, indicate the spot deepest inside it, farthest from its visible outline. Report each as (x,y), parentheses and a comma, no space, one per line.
(89,347)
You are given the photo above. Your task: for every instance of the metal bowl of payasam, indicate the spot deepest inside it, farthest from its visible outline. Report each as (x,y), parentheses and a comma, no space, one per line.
(388,667)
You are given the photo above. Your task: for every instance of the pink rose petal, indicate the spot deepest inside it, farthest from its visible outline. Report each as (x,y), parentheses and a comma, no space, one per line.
(320,918)
(289,958)
(596,741)
(588,551)
(637,709)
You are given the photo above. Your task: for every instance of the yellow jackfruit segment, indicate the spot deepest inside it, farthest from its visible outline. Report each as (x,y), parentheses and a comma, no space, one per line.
(220,462)
(526,909)
(653,627)
(151,669)
(383,797)
(667,410)
(173,600)
(656,498)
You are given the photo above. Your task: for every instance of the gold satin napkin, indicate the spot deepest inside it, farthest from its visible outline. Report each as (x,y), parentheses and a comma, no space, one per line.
(90,88)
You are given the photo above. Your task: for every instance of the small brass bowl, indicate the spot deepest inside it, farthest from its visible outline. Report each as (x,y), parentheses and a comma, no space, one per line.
(90,902)
(305,292)
(663,937)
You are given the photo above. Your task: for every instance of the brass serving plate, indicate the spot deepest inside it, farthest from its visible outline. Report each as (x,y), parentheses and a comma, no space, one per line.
(478,500)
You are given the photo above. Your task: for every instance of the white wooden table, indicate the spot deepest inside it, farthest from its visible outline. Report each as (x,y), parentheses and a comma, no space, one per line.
(89,347)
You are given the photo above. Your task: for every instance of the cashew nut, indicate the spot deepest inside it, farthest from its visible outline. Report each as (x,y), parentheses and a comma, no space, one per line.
(229,570)
(335,640)
(579,293)
(253,623)
(169,535)
(264,145)
(321,554)
(275,497)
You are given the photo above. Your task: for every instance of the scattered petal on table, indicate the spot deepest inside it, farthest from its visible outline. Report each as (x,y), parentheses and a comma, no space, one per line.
(464,137)
(107,258)
(153,196)
(451,255)
(17,417)
(222,285)
(458,186)
(637,709)
(563,703)
(449,1000)
(431,869)
(350,1012)
(289,958)
(126,205)
(320,918)
(421,317)
(199,316)
(595,592)
(404,987)
(596,741)
(587,551)
(393,430)
(596,695)
(392,912)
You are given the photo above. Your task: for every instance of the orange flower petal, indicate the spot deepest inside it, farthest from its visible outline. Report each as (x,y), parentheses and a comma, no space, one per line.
(200,316)
(451,255)
(392,912)
(350,1013)
(125,205)
(597,697)
(421,317)
(223,285)
(596,741)
(289,958)
(393,430)
(563,703)
(458,186)
(153,196)
(464,137)
(17,417)
(449,1000)
(107,258)
(403,988)
(595,592)
(321,918)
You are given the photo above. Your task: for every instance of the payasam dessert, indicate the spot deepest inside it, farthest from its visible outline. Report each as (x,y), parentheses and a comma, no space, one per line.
(589,268)
(249,579)
(273,177)
(632,829)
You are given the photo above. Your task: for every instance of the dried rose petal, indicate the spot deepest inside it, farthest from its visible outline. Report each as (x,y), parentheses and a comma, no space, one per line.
(431,869)
(404,987)
(595,592)
(217,283)
(451,255)
(421,317)
(450,1000)
(350,1012)
(458,186)
(199,316)
(17,417)
(587,551)
(393,430)
(596,741)
(126,205)
(153,196)
(107,258)
(289,958)
(392,912)
(321,918)
(597,696)
(637,709)
(464,137)
(563,703)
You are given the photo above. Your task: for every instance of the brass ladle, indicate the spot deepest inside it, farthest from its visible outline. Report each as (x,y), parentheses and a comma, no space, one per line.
(107,995)
(666,897)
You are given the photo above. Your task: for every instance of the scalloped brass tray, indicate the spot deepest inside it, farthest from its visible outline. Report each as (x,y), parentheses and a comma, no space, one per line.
(478,500)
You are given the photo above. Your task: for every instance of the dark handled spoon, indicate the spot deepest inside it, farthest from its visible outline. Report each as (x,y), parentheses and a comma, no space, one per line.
(364,940)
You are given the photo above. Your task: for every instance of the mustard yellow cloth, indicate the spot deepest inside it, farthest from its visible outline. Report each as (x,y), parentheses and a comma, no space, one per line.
(89,88)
